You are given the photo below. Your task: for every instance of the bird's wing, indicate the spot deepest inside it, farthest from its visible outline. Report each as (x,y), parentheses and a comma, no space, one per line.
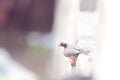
(75,47)
(70,52)
(84,51)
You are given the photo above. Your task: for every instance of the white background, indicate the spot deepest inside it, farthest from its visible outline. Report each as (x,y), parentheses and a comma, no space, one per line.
(109,66)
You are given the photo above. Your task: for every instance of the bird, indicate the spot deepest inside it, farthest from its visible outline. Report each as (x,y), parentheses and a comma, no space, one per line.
(72,52)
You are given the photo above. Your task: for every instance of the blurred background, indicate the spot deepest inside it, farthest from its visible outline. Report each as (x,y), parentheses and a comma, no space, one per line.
(25,33)
(30,29)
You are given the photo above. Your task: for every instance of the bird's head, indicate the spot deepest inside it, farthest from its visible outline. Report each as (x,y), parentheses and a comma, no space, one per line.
(63,44)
